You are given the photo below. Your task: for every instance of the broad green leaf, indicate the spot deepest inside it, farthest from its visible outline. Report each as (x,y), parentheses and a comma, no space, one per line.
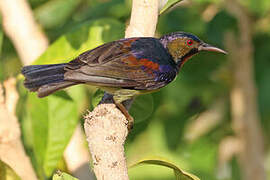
(79,96)
(142,107)
(168,5)
(85,37)
(6,173)
(55,12)
(179,173)
(54,119)
(38,111)
(63,176)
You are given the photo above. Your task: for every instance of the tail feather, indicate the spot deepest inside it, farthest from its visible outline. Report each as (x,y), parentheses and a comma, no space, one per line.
(46,90)
(34,71)
(37,82)
(45,79)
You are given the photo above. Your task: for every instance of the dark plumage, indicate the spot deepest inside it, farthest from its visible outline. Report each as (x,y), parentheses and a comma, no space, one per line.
(124,68)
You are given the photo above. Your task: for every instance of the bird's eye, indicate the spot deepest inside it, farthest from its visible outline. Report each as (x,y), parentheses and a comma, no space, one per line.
(189,42)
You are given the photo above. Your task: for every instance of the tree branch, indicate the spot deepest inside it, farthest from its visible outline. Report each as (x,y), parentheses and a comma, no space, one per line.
(11,148)
(106,127)
(21,28)
(244,96)
(144,18)
(106,133)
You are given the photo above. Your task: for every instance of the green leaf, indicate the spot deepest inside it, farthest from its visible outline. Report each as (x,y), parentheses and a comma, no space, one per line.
(1,35)
(85,37)
(96,98)
(79,96)
(169,5)
(53,119)
(63,176)
(6,173)
(142,107)
(179,173)
(115,9)
(55,12)
(260,8)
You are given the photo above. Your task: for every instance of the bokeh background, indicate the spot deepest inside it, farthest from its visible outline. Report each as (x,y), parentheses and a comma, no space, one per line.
(212,121)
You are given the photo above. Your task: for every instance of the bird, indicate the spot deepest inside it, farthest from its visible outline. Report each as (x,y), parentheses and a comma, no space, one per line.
(124,68)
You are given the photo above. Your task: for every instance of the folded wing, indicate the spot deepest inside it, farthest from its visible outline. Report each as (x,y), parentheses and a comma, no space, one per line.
(116,64)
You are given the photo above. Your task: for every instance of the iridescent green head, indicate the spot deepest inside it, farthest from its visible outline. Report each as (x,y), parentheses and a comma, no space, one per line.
(182,46)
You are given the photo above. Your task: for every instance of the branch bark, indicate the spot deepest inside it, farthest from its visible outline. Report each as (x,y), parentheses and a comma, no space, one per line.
(106,127)
(144,18)
(11,147)
(244,96)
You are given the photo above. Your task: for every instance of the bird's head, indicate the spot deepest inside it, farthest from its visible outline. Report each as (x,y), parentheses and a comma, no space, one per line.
(182,46)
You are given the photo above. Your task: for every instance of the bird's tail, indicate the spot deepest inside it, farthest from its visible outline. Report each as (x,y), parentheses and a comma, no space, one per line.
(45,79)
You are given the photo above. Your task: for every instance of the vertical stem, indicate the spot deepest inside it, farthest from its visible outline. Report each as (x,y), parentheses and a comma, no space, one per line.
(11,147)
(143,19)
(20,26)
(246,121)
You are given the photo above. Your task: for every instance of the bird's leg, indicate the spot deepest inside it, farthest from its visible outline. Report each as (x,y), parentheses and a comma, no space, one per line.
(107,98)
(123,99)
(122,104)
(127,115)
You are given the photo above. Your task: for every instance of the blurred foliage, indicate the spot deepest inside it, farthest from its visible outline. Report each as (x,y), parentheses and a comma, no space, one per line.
(1,35)
(87,35)
(6,173)
(257,8)
(74,26)
(143,104)
(52,127)
(55,12)
(63,176)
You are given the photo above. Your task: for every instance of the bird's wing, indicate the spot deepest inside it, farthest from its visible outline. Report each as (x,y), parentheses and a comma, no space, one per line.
(117,64)
(103,54)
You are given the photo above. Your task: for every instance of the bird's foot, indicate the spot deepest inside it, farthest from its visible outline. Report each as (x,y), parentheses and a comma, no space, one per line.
(129,118)
(130,123)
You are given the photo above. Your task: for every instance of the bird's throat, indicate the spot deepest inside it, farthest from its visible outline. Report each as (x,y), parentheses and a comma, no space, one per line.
(186,57)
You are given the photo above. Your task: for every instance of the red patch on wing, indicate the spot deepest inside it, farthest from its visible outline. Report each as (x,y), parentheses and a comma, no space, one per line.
(149,64)
(131,60)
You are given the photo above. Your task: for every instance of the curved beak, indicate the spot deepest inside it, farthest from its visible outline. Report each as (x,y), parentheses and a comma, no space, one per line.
(208,47)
